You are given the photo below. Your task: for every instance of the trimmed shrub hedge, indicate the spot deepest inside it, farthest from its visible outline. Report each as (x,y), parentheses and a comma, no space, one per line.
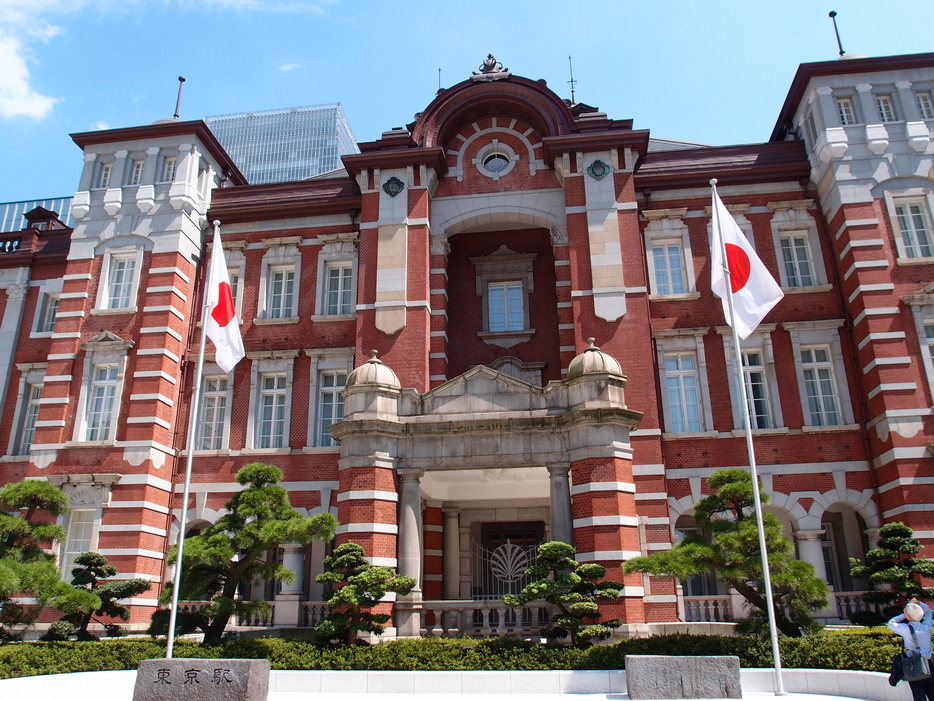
(870,649)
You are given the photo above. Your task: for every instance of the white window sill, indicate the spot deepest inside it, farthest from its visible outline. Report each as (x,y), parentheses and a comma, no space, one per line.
(830,429)
(15,458)
(687,435)
(914,261)
(739,433)
(321,449)
(334,317)
(273,322)
(207,453)
(266,451)
(505,339)
(674,298)
(807,289)
(91,444)
(41,334)
(113,312)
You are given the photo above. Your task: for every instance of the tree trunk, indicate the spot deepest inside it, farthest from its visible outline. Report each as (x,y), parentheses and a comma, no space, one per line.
(783,623)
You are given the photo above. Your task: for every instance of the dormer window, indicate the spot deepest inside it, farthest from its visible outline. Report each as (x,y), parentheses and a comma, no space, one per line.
(168,169)
(103,178)
(886,109)
(846,111)
(136,175)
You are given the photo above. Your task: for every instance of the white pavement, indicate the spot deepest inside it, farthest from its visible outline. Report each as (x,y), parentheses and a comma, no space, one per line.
(803,685)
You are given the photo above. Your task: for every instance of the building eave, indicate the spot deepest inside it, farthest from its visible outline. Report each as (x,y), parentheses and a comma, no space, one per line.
(302,198)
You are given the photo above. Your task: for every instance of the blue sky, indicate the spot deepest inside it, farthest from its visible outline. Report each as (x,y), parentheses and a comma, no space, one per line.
(711,72)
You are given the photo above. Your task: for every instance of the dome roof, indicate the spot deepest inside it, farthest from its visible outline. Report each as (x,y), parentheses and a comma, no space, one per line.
(593,361)
(373,372)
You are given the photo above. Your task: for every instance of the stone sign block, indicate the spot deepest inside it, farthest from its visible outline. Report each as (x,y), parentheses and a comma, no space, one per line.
(189,679)
(690,677)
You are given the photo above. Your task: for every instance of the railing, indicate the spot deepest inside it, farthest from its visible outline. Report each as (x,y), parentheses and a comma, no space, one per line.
(847,602)
(311,612)
(707,609)
(256,620)
(464,618)
(9,246)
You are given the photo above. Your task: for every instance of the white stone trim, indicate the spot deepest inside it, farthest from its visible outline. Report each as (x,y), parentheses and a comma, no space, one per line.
(368,494)
(606,521)
(368,528)
(629,487)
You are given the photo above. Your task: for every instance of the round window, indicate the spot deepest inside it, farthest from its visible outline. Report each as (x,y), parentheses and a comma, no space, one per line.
(496,162)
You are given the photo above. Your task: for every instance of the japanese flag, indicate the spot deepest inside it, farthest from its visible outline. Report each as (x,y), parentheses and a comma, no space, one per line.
(220,323)
(755,291)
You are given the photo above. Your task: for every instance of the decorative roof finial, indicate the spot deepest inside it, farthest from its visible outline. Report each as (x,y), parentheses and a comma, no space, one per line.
(491,65)
(373,358)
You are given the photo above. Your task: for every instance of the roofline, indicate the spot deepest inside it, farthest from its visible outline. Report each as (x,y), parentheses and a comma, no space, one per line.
(297,198)
(166,128)
(807,71)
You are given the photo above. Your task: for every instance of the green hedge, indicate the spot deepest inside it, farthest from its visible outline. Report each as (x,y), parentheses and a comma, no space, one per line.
(870,649)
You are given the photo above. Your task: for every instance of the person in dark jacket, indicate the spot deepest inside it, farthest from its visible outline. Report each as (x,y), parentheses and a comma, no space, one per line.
(914,625)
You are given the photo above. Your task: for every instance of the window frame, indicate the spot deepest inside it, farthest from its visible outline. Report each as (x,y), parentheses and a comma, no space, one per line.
(792,219)
(102,179)
(685,341)
(323,438)
(110,381)
(281,256)
(104,349)
(505,266)
(32,375)
(267,364)
(759,342)
(104,286)
(823,333)
(886,108)
(48,290)
(135,172)
(813,365)
(323,361)
(922,311)
(213,373)
(925,104)
(167,164)
(666,228)
(895,199)
(846,111)
(73,553)
(338,251)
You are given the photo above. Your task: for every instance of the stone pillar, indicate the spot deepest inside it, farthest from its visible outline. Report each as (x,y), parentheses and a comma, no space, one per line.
(408,607)
(562,528)
(452,553)
(288,600)
(811,551)
(868,104)
(910,110)
(10,326)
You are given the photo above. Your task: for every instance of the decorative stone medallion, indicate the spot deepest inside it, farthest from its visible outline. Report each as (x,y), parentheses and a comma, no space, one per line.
(598,170)
(393,186)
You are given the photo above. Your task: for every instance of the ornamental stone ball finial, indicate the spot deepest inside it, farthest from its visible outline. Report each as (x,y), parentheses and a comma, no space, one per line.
(373,358)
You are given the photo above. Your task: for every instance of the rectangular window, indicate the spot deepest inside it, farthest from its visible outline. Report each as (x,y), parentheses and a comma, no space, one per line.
(168,169)
(213,413)
(811,129)
(279,296)
(929,340)
(33,394)
(120,281)
(796,253)
(925,105)
(886,108)
(48,308)
(136,174)
(845,109)
(102,402)
(683,393)
(669,269)
(234,285)
(340,287)
(506,312)
(757,390)
(915,224)
(330,404)
(272,410)
(821,387)
(103,178)
(78,541)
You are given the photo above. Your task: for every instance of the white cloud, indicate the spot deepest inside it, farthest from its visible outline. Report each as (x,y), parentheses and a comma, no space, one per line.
(17,96)
(286,67)
(100,126)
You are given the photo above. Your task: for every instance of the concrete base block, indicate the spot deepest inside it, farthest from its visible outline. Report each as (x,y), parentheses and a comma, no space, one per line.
(202,680)
(689,677)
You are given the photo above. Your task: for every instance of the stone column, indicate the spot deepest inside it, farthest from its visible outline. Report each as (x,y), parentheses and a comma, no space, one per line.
(452,553)
(408,607)
(562,521)
(811,551)
(288,600)
(10,326)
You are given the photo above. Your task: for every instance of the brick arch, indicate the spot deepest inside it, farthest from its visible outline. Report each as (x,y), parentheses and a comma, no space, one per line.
(861,502)
(469,101)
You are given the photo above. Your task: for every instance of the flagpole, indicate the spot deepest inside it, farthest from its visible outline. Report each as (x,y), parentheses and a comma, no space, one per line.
(767,579)
(192,428)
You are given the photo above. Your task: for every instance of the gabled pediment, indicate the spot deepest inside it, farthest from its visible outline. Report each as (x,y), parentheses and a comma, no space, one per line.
(106,340)
(482,390)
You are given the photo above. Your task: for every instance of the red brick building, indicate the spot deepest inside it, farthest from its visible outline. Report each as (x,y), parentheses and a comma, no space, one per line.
(478,251)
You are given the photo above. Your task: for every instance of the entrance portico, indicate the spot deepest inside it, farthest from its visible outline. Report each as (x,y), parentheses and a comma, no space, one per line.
(487,448)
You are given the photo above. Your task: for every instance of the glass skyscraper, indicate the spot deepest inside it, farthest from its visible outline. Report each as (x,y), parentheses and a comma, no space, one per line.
(11,213)
(288,144)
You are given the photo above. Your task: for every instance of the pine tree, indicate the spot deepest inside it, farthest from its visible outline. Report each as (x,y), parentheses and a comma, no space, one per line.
(234,549)
(894,566)
(730,548)
(359,587)
(574,589)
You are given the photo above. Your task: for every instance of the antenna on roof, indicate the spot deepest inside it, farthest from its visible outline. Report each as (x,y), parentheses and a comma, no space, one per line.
(833,16)
(178,102)
(572,82)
